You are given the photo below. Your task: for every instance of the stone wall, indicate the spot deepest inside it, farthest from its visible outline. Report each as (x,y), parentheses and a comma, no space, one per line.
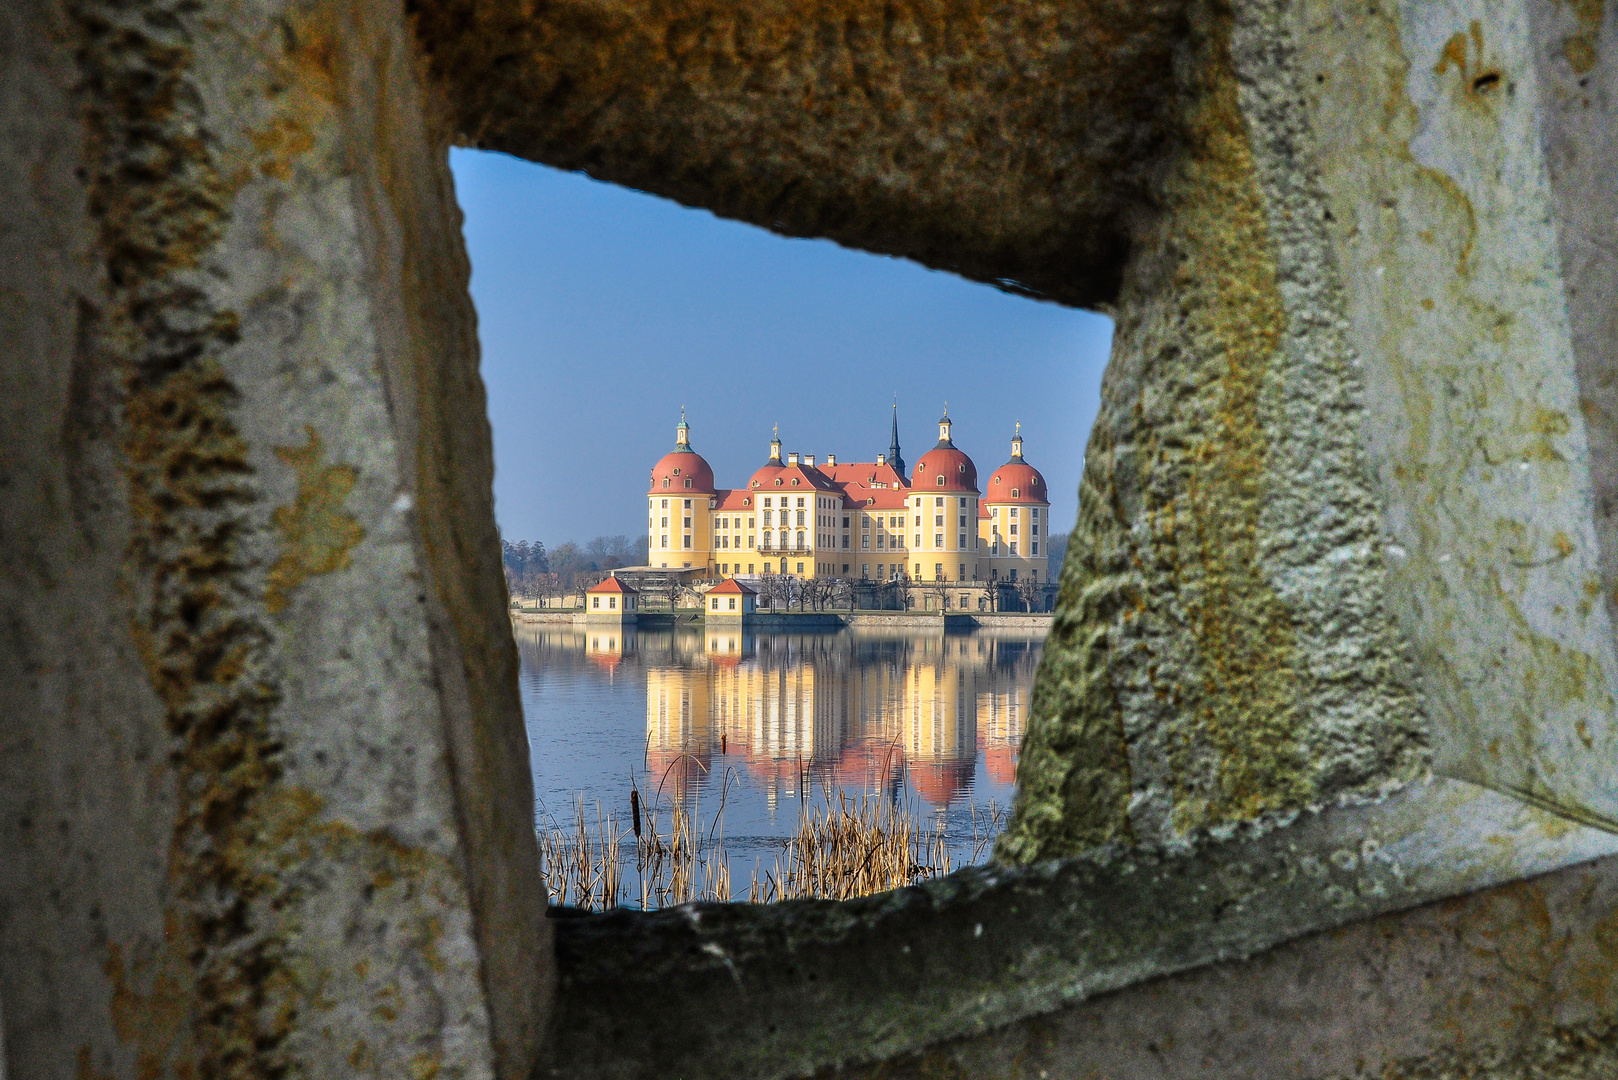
(1334,639)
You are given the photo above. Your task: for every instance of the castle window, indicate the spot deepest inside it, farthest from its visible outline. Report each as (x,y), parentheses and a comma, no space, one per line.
(800,502)
(1033,548)
(688,483)
(665,483)
(777,481)
(963,468)
(688,504)
(714,603)
(596,601)
(733,603)
(665,504)
(997,480)
(676,472)
(612,602)
(747,502)
(1014,493)
(794,481)
(940,479)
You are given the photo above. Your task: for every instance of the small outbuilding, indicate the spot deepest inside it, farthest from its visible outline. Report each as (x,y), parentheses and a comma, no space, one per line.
(611,601)
(730,601)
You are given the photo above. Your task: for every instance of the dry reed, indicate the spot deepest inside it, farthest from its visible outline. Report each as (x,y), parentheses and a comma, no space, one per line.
(841,848)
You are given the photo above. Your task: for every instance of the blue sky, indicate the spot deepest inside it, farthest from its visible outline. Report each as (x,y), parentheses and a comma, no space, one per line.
(602,310)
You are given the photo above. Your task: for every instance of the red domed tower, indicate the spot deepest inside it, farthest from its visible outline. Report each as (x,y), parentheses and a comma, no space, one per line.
(682,469)
(943,512)
(1015,524)
(677,504)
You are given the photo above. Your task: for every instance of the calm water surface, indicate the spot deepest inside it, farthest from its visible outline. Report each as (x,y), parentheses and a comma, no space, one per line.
(931,720)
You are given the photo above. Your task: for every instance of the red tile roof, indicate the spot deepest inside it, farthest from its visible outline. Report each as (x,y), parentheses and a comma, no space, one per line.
(609,585)
(731,585)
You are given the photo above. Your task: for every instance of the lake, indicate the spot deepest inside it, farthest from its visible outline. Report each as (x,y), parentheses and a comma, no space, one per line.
(761,720)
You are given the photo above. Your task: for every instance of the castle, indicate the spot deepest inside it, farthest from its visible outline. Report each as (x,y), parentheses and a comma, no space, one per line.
(861,521)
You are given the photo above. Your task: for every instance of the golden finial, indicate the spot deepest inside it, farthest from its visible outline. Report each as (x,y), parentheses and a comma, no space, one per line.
(775,431)
(1019,429)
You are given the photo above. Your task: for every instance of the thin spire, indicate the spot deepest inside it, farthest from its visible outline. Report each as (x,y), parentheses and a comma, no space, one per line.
(894,457)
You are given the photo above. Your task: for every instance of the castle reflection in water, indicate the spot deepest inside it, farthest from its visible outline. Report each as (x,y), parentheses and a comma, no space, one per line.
(866,710)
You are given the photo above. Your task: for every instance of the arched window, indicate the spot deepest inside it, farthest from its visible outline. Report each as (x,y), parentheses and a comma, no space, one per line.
(688,482)
(665,482)
(940,479)
(1013,493)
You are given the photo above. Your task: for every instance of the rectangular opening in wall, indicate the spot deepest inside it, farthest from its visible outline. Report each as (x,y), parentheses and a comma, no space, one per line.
(777,391)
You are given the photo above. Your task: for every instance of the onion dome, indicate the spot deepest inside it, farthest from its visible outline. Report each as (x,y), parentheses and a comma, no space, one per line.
(1016,481)
(944,468)
(682,469)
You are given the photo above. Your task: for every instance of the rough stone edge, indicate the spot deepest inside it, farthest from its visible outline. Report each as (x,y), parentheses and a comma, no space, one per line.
(785,990)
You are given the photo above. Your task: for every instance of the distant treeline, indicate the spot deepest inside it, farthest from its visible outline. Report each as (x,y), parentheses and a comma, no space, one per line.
(531,570)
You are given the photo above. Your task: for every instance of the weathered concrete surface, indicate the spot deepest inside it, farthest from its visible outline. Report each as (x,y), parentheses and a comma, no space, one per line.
(1009,142)
(1346,530)
(1514,983)
(1346,503)
(264,796)
(786,990)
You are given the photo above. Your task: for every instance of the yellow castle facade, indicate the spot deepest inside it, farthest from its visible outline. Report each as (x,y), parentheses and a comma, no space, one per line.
(806,517)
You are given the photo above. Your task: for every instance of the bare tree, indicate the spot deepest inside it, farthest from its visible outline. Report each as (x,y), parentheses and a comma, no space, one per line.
(547,585)
(670,590)
(1030,592)
(772,588)
(820,591)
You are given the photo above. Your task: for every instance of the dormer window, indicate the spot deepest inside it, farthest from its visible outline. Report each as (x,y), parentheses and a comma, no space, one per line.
(676,472)
(688,482)
(940,479)
(777,481)
(963,468)
(665,482)
(1014,493)
(794,481)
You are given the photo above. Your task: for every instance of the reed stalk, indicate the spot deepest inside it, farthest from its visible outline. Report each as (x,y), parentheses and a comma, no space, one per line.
(841,848)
